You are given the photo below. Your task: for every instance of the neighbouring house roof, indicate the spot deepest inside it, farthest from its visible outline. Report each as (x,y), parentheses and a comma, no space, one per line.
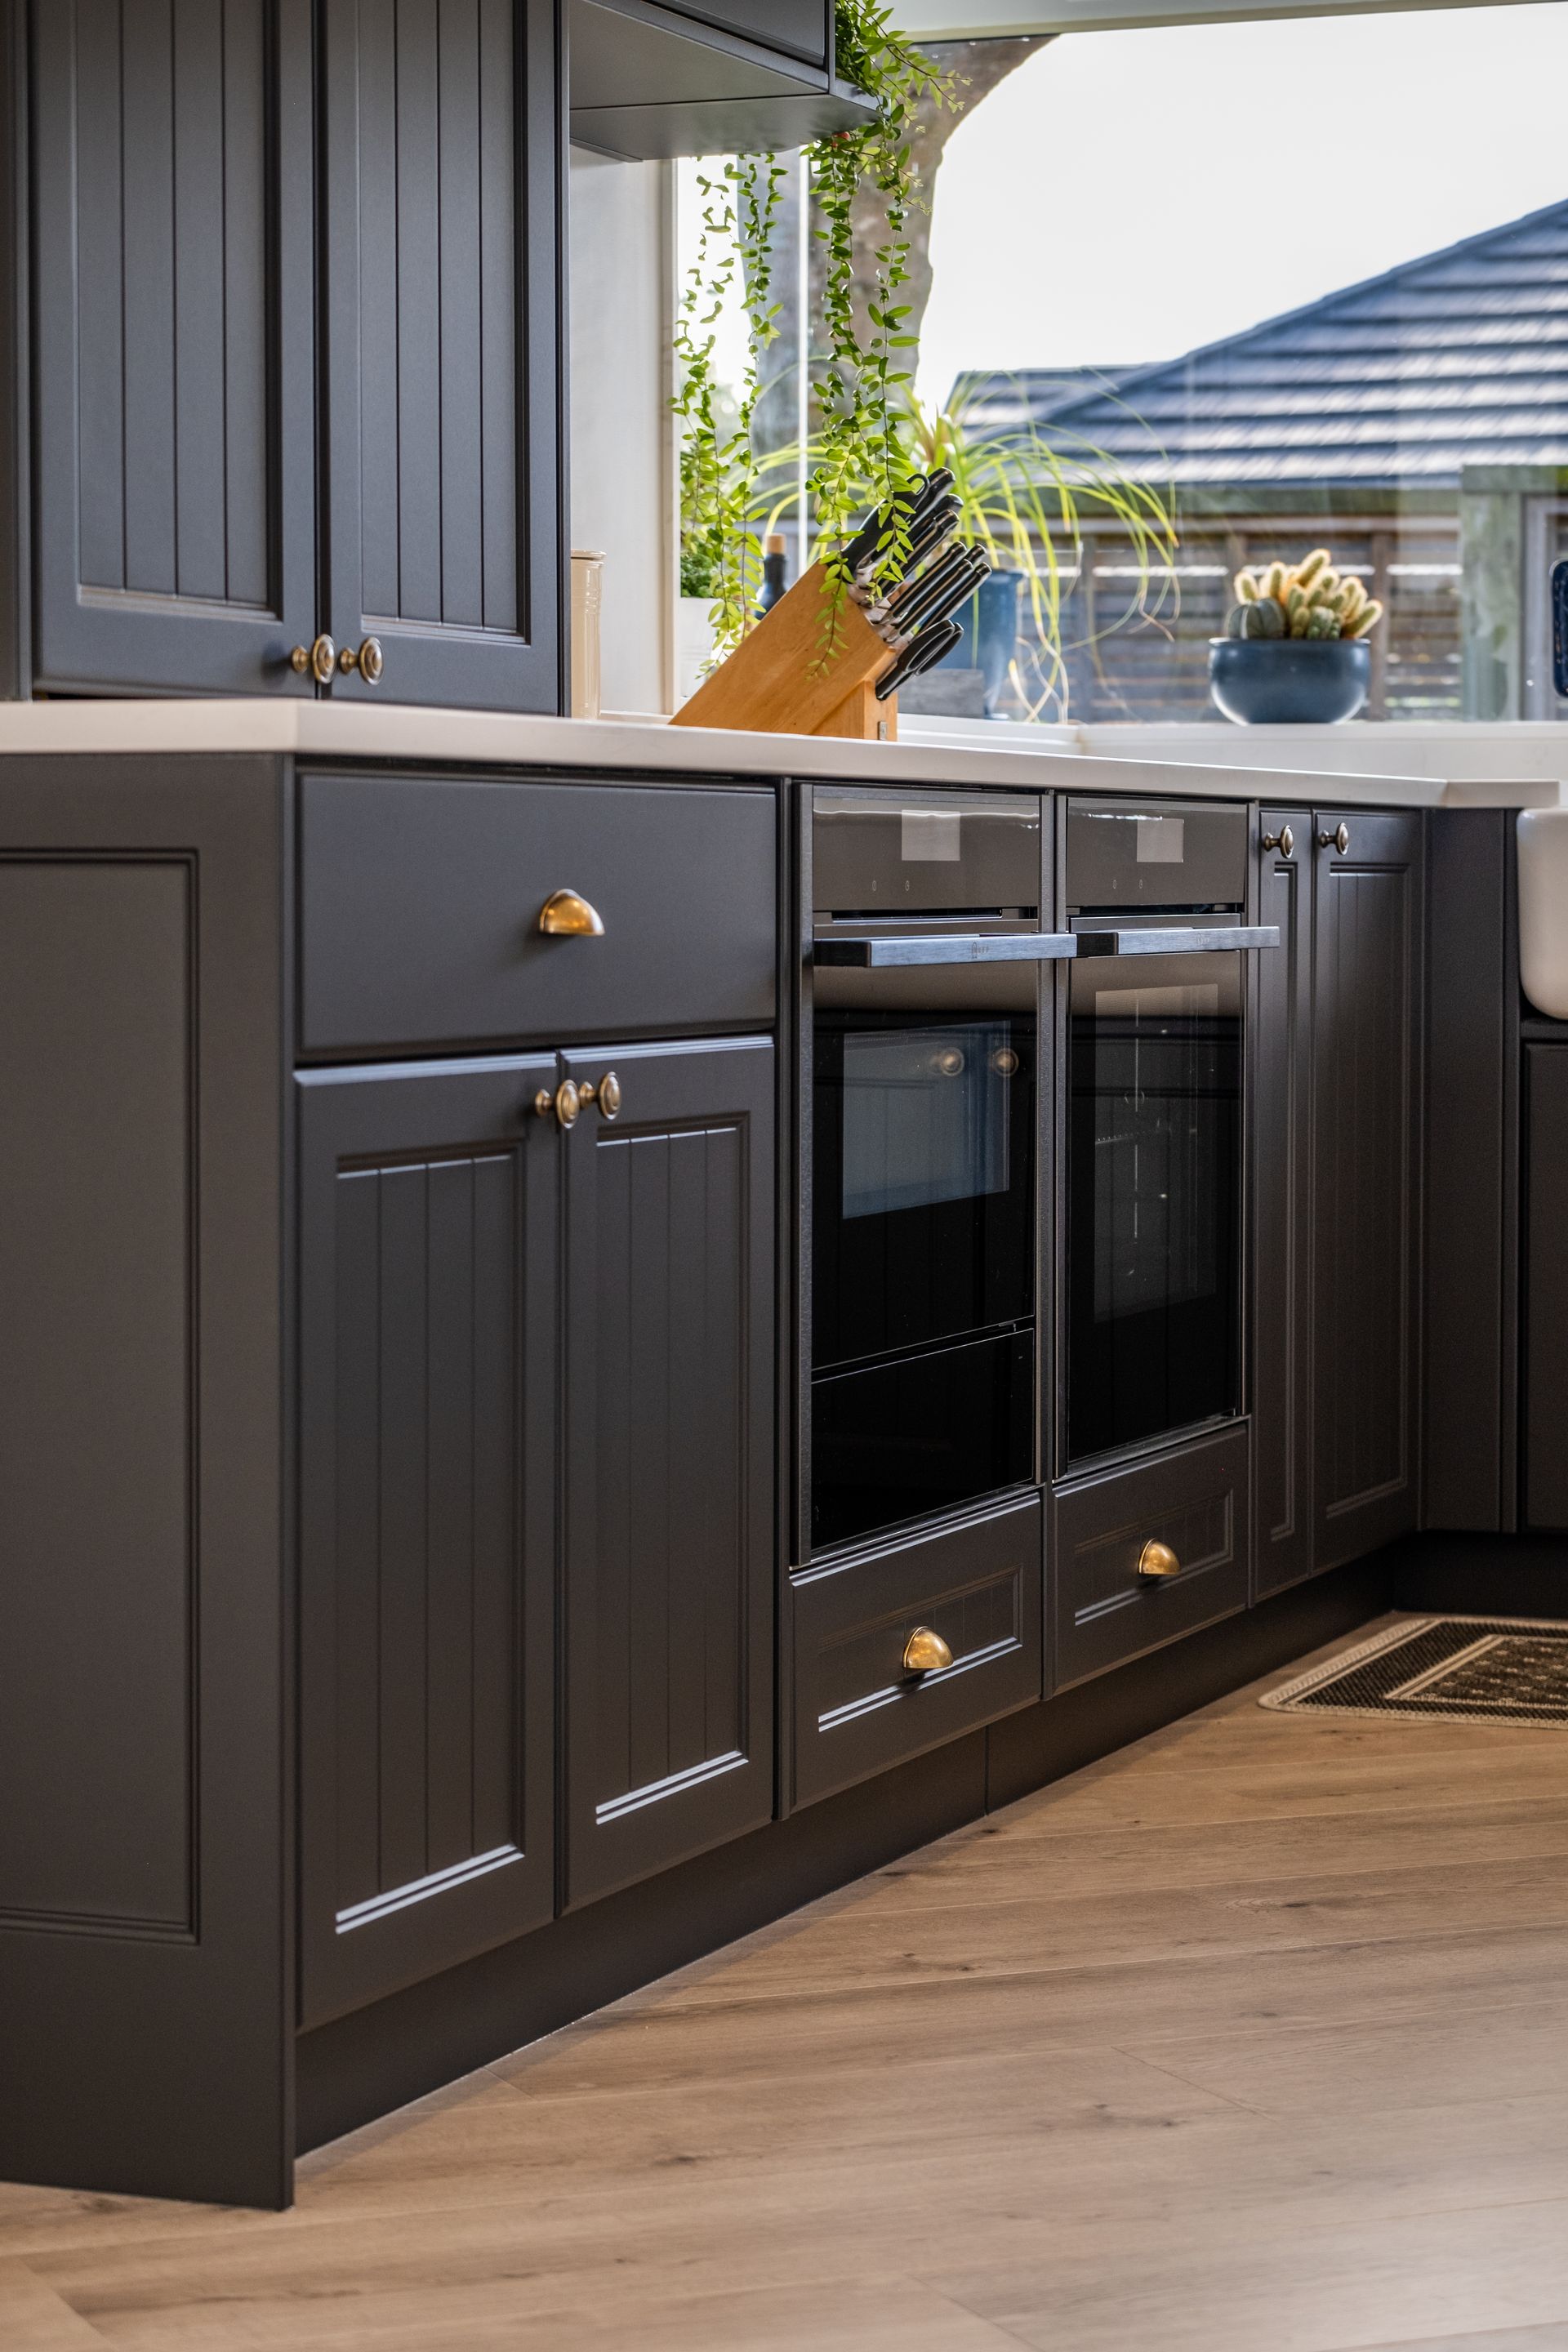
(1456,359)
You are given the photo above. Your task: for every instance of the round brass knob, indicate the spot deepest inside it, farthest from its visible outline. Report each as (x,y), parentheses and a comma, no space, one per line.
(319,660)
(568,1103)
(566,915)
(544,1102)
(1284,841)
(1339,839)
(367,658)
(606,1093)
(1157,1559)
(947,1062)
(926,1653)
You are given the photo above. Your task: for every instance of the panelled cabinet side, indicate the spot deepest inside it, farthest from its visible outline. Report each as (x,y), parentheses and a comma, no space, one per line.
(146,2013)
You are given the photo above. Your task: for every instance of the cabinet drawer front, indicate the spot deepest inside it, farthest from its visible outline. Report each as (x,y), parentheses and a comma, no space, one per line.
(858,1708)
(1105,1609)
(421,901)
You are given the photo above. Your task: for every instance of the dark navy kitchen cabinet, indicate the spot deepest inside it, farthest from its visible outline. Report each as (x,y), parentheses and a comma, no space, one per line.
(294,281)
(1281,1257)
(174,415)
(1368,973)
(441,404)
(1337,1073)
(670,1476)
(428,1205)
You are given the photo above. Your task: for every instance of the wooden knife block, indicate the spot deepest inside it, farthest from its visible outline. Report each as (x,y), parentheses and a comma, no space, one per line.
(775,682)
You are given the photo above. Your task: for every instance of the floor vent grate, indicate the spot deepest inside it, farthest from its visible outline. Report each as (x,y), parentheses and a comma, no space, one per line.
(1464,1669)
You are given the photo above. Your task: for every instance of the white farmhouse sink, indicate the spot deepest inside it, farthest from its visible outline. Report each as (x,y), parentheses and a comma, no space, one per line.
(1544,910)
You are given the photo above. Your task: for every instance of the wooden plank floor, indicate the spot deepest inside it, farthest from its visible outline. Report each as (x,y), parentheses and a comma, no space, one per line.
(1252,2038)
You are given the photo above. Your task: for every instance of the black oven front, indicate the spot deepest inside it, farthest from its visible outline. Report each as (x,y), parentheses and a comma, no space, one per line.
(1155,1127)
(925,1116)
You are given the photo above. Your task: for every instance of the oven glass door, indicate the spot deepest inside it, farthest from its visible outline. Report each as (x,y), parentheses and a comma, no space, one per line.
(1154,1158)
(923,1258)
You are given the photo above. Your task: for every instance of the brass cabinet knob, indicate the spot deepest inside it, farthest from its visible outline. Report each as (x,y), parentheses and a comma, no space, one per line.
(566,915)
(606,1093)
(1157,1559)
(571,1099)
(1284,841)
(317,661)
(367,658)
(926,1653)
(1339,839)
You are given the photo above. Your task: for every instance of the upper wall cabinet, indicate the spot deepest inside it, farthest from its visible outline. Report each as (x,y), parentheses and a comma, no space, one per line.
(707,79)
(294,295)
(173,477)
(442,443)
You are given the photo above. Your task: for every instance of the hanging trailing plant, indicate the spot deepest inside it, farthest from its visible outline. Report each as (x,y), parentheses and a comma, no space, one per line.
(858,454)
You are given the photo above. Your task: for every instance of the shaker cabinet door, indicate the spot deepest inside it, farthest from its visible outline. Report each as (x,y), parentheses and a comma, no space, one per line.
(173,482)
(1282,1207)
(440,257)
(427,1361)
(669,1459)
(1367,984)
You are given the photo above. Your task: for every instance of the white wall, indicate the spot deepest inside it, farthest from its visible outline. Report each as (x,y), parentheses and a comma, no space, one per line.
(621,251)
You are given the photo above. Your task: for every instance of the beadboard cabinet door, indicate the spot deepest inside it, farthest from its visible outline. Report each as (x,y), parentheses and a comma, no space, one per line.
(440,251)
(1281,1293)
(668,1457)
(174,426)
(428,1206)
(1368,925)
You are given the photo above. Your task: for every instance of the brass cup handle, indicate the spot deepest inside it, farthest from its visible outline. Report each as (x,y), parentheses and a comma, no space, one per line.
(319,660)
(570,1099)
(367,658)
(1284,841)
(1157,1559)
(1339,839)
(925,1653)
(566,915)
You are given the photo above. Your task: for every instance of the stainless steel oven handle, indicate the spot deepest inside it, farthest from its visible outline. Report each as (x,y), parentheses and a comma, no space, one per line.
(961,947)
(1189,939)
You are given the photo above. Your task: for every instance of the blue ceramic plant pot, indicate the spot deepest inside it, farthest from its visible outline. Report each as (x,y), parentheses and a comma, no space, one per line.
(1290,681)
(990,637)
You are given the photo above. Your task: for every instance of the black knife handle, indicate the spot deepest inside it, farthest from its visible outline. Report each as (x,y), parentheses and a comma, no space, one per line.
(929,647)
(868,542)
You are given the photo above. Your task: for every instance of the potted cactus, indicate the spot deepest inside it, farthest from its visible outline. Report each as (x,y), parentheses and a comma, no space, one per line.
(1296,645)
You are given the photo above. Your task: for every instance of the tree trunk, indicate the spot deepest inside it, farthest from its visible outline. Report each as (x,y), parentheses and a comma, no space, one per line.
(974,70)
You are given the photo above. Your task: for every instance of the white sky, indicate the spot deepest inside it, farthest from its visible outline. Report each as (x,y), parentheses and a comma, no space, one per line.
(1128,195)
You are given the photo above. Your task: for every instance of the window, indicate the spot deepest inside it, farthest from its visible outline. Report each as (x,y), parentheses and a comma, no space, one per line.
(1305,277)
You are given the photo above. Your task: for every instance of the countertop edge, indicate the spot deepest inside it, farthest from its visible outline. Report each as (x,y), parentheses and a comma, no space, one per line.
(430,736)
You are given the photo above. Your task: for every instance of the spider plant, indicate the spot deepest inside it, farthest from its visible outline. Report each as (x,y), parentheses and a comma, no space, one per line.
(1024,500)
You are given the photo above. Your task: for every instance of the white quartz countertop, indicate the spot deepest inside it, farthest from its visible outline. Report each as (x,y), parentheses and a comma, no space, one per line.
(365,730)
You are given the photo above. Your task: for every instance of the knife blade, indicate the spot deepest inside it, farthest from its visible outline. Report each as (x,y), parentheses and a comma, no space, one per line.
(920,654)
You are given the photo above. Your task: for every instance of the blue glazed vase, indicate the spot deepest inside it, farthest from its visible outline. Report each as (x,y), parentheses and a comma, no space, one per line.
(1290,681)
(990,636)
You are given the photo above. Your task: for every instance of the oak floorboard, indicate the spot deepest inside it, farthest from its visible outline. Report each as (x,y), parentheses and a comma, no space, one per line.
(1254,2037)
(33,2318)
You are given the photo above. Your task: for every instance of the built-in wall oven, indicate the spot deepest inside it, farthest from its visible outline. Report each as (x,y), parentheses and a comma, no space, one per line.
(925,1118)
(1155,1133)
